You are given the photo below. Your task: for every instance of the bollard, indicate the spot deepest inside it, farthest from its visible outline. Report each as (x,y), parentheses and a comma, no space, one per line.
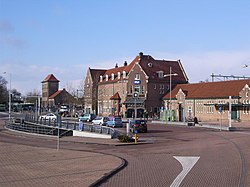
(135,136)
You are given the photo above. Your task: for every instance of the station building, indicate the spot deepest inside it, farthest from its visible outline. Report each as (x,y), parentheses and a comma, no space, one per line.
(209,101)
(132,90)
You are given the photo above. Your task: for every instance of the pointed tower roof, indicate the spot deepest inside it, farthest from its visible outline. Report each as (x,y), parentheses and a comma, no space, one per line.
(50,78)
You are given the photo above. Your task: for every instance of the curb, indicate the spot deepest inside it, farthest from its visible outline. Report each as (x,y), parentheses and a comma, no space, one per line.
(110,174)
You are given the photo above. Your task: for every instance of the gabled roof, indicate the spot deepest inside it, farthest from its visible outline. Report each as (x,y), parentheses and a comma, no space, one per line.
(116,96)
(95,73)
(207,90)
(150,67)
(58,92)
(50,78)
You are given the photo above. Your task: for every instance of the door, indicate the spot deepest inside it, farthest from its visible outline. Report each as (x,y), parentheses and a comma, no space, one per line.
(234,115)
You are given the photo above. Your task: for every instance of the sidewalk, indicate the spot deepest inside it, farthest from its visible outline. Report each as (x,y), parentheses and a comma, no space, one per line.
(23,165)
(236,126)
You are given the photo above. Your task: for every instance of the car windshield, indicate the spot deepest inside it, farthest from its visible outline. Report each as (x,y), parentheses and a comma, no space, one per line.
(139,122)
(98,118)
(118,119)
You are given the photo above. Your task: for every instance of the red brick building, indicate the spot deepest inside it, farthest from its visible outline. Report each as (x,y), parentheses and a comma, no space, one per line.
(210,101)
(144,76)
(52,96)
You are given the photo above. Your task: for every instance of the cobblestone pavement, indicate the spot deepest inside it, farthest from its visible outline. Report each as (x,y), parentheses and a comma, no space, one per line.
(23,165)
(224,157)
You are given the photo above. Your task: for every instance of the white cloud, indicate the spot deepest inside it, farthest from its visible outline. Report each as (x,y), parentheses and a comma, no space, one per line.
(199,66)
(6,26)
(27,77)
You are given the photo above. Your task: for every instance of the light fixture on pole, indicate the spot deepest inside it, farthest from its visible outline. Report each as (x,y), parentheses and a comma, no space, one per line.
(170,86)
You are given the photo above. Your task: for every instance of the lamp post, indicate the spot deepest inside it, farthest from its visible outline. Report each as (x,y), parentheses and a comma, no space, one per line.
(9,95)
(170,87)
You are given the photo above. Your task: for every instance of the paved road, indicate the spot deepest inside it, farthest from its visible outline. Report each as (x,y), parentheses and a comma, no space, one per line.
(224,157)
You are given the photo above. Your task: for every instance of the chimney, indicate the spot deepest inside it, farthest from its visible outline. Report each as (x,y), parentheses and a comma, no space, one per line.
(125,63)
(116,66)
(140,55)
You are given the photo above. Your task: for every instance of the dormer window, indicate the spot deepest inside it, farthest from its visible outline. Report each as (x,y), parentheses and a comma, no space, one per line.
(107,77)
(112,76)
(100,78)
(137,76)
(119,75)
(124,74)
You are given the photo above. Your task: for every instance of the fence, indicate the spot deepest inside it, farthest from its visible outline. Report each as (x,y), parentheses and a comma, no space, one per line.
(37,129)
(69,125)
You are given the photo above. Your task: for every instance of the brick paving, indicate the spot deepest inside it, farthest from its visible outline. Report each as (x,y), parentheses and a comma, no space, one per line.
(221,162)
(33,166)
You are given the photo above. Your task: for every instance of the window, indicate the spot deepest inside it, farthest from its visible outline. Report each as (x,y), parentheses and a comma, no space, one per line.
(137,76)
(155,86)
(160,74)
(246,94)
(131,89)
(107,77)
(112,76)
(137,89)
(100,78)
(119,75)
(142,89)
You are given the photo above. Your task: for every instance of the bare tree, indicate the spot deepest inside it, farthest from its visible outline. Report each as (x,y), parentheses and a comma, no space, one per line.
(3,90)
(31,97)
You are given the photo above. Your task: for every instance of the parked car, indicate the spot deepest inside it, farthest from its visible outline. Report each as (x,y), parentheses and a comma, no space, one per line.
(87,117)
(139,125)
(100,121)
(114,122)
(49,116)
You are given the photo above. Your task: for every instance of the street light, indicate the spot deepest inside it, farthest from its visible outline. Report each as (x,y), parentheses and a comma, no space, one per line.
(170,87)
(9,96)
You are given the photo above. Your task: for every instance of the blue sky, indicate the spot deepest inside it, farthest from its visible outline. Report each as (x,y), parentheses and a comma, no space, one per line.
(39,37)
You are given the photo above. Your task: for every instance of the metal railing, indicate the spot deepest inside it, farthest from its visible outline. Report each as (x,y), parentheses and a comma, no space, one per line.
(69,125)
(31,128)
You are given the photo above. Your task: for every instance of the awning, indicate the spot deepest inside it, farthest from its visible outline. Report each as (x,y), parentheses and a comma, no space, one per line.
(227,104)
(133,100)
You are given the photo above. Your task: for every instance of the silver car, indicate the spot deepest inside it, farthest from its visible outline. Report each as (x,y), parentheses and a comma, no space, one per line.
(100,121)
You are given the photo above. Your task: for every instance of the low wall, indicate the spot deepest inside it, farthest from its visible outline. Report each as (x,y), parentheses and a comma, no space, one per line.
(90,134)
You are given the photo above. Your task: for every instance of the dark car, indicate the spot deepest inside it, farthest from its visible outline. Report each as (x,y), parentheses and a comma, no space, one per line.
(87,117)
(139,125)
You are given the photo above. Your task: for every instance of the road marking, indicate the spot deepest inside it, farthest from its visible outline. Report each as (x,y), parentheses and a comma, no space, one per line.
(187,164)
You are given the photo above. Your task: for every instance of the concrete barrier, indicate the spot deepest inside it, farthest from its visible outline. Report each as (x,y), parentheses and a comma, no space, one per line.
(90,134)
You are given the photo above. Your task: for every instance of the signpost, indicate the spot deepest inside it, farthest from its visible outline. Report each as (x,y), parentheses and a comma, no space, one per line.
(220,111)
(135,97)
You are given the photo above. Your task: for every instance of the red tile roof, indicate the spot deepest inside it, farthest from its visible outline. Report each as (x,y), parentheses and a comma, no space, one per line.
(116,96)
(55,94)
(50,78)
(210,89)
(151,71)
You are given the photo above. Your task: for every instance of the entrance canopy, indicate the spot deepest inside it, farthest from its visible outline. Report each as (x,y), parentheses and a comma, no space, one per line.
(134,100)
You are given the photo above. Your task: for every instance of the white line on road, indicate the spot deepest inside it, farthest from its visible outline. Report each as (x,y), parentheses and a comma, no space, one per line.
(187,164)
